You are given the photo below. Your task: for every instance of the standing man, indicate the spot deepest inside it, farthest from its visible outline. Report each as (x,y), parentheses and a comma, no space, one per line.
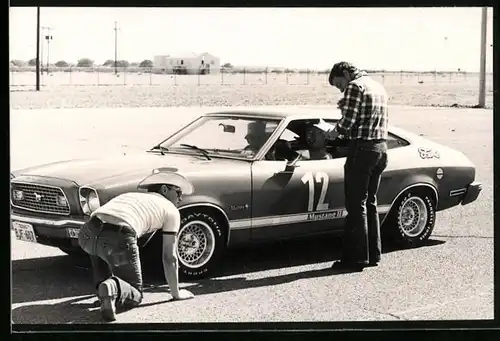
(110,238)
(364,123)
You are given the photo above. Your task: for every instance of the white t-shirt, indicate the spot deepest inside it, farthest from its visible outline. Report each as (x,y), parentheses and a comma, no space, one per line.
(143,212)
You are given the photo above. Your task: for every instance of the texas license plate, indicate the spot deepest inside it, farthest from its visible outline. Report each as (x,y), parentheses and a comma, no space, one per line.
(24,231)
(73,233)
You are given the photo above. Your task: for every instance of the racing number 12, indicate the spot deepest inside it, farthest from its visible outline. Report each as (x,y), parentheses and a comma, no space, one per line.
(322,178)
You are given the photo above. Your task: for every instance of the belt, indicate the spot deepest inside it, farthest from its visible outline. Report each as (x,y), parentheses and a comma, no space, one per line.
(116,228)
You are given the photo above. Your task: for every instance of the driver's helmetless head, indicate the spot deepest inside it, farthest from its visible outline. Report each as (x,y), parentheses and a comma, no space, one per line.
(256,134)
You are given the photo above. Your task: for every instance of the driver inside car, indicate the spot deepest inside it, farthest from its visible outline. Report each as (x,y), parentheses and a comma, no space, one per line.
(316,140)
(256,136)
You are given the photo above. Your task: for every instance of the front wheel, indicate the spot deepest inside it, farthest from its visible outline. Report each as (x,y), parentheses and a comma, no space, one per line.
(200,246)
(412,222)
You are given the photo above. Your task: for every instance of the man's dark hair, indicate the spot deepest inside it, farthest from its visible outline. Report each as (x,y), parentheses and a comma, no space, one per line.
(338,70)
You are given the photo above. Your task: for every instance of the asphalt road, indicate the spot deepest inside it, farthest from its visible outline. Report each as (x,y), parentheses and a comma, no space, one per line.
(451,277)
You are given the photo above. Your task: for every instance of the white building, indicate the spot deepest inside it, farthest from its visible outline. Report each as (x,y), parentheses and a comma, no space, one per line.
(192,63)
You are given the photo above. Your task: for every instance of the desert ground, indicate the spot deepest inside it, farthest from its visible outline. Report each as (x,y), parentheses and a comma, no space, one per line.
(448,278)
(103,89)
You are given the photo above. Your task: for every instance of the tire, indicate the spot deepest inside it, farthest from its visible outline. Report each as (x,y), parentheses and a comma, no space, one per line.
(413,218)
(201,244)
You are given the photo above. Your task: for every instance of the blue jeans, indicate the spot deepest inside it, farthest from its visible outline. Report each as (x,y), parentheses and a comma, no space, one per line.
(114,254)
(366,160)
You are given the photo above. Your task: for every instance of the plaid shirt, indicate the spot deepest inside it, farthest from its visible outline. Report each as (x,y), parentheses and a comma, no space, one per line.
(364,110)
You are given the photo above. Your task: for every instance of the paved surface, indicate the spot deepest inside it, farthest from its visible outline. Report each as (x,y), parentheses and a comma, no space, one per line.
(449,278)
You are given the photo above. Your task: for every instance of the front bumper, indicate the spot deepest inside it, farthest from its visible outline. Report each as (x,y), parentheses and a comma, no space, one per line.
(472,193)
(52,232)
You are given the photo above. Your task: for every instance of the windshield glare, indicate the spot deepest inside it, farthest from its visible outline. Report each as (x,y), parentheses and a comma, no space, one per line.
(241,137)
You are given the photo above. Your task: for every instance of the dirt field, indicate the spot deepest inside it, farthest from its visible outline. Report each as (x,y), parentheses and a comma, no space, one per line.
(449,278)
(101,90)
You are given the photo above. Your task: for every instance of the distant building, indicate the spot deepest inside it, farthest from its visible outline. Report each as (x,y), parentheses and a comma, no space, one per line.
(187,63)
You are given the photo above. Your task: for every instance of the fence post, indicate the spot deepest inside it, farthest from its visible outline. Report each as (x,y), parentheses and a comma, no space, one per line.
(418,76)
(175,78)
(221,76)
(151,77)
(383,76)
(244,75)
(267,71)
(401,77)
(450,76)
(286,77)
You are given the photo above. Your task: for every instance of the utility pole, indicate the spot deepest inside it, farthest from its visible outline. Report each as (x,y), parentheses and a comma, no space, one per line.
(49,38)
(38,48)
(44,28)
(116,47)
(482,71)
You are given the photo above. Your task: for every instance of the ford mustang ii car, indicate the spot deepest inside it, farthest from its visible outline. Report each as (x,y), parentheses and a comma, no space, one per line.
(257,175)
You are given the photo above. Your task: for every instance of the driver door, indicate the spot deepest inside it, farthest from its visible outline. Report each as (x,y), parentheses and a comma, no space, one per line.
(294,201)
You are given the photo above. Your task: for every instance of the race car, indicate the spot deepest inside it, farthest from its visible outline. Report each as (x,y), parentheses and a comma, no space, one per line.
(257,175)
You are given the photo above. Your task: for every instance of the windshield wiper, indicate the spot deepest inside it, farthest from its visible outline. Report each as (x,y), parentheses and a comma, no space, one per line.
(160,148)
(203,151)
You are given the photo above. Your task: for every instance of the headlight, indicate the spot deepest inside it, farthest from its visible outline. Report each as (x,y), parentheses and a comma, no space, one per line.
(89,200)
(17,195)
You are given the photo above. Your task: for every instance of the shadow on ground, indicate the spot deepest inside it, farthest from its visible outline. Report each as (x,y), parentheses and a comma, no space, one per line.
(63,277)
(278,255)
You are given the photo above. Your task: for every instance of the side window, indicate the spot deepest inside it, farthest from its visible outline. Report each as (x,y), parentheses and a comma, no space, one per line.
(394,141)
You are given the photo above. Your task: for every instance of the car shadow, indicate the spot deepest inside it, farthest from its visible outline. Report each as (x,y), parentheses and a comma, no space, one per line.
(49,278)
(265,258)
(279,255)
(59,277)
(69,311)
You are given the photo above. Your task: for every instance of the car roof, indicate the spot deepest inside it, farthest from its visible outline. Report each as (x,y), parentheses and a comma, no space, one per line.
(280,112)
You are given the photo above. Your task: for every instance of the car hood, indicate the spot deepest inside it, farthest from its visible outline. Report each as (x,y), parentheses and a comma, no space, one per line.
(108,171)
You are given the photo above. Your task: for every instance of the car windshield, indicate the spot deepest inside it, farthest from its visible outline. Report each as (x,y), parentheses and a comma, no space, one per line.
(229,136)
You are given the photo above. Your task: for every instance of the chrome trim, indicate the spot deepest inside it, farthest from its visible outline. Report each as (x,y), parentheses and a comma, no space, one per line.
(457,192)
(80,195)
(40,211)
(407,188)
(42,221)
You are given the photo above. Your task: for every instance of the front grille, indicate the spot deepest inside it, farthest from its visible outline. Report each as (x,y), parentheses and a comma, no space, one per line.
(39,198)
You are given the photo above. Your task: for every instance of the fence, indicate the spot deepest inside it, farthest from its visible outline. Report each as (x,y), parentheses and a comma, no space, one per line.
(74,76)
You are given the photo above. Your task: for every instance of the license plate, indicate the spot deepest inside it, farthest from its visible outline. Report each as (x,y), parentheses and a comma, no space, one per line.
(24,231)
(73,233)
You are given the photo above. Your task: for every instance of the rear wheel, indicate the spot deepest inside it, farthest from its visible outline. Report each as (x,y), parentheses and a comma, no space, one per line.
(413,217)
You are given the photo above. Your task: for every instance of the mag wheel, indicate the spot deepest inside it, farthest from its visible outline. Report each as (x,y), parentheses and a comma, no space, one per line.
(200,245)
(413,219)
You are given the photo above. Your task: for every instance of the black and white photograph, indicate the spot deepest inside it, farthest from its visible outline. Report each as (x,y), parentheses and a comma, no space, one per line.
(241,165)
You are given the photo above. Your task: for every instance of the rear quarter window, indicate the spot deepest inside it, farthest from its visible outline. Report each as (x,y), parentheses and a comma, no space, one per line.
(394,141)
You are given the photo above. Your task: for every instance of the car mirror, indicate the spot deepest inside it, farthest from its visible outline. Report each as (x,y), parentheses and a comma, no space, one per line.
(227,128)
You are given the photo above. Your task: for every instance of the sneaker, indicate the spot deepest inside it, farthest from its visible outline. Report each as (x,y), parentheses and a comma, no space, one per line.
(108,291)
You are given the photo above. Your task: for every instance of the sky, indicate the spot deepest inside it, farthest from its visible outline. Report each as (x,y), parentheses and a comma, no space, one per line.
(419,39)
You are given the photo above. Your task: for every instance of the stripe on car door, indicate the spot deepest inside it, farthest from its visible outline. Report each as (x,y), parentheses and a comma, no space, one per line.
(295,218)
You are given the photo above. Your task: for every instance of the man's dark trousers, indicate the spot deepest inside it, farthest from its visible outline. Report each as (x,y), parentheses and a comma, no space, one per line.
(366,160)
(114,254)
